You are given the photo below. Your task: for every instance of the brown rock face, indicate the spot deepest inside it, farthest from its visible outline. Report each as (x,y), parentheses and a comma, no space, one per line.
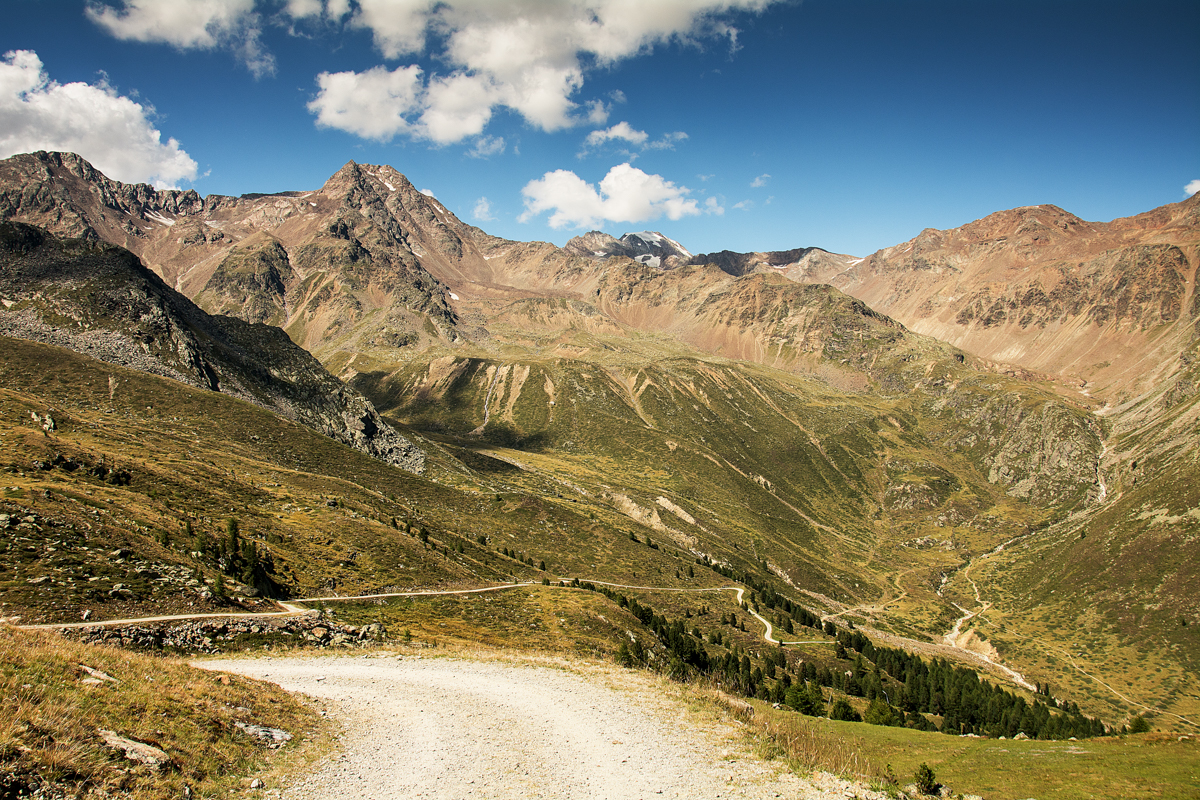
(312,262)
(1106,306)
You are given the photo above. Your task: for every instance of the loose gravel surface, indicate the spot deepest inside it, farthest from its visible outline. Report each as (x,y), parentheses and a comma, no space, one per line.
(455,727)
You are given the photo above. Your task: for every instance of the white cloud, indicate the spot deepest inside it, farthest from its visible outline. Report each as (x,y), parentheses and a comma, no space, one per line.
(183,23)
(625,132)
(1192,187)
(622,130)
(760,181)
(371,104)
(626,194)
(193,24)
(482,210)
(713,206)
(456,107)
(744,205)
(427,193)
(487,146)
(526,55)
(304,8)
(112,132)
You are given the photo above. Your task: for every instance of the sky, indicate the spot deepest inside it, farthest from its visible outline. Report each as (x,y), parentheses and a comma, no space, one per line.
(743,125)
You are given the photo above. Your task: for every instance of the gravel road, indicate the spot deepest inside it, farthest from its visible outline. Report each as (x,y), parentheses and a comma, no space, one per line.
(450,728)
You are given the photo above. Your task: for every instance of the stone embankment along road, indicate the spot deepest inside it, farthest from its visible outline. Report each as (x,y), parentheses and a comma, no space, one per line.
(291,607)
(454,728)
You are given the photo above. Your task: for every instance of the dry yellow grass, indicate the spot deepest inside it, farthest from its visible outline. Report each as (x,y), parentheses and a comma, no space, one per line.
(52,709)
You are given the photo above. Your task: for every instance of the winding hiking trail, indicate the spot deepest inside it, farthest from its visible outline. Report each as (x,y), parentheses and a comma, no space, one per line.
(959,640)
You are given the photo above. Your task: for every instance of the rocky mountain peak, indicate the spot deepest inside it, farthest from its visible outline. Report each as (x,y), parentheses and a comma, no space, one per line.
(646,247)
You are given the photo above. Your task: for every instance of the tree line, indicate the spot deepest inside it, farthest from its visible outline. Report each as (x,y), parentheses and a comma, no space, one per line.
(902,688)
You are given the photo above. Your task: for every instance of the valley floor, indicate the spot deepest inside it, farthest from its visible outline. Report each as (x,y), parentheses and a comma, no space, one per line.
(479,726)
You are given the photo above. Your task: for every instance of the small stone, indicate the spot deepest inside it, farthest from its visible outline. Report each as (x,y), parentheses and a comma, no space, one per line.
(96,676)
(257,783)
(134,750)
(272,737)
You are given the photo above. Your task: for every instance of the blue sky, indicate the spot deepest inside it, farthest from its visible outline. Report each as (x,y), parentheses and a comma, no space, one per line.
(726,124)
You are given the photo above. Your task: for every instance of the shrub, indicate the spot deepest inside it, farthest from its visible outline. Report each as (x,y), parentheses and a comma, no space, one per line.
(1139,724)
(844,711)
(925,779)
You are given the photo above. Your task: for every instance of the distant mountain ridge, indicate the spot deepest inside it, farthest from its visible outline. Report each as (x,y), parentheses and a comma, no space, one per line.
(367,265)
(1105,307)
(647,247)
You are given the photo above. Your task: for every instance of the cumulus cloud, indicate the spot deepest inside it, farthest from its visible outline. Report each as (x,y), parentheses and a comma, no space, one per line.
(112,132)
(626,194)
(622,130)
(1192,187)
(668,141)
(760,181)
(482,211)
(598,111)
(371,104)
(529,56)
(193,25)
(713,206)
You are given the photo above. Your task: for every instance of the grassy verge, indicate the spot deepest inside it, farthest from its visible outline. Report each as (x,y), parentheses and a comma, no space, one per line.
(52,709)
(1141,766)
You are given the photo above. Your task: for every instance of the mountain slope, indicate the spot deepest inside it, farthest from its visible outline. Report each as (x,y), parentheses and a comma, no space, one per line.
(1105,307)
(99,299)
(804,264)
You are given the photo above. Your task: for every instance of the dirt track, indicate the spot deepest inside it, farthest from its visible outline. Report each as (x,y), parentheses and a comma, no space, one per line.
(445,728)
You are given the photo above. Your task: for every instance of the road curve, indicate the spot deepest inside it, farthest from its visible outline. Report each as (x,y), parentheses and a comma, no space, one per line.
(453,728)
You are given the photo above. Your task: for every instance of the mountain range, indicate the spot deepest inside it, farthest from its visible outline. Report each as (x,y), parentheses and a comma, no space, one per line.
(987,431)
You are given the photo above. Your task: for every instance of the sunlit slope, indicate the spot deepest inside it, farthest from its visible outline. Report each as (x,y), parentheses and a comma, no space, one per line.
(137,459)
(834,492)
(1104,604)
